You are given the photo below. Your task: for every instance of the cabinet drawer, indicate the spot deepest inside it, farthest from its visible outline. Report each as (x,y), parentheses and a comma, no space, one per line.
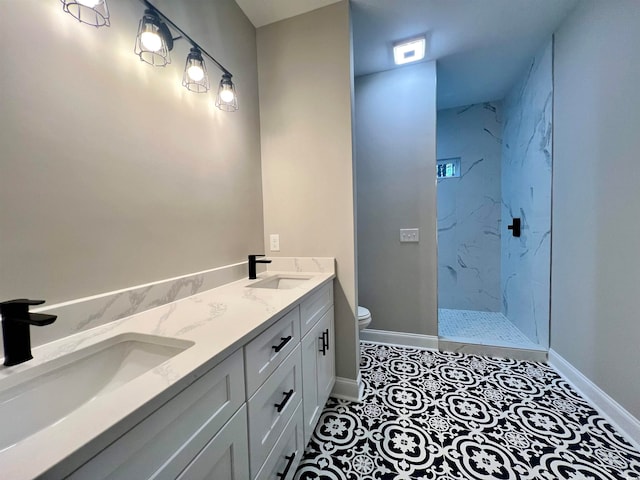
(265,352)
(314,307)
(271,407)
(226,456)
(164,443)
(287,452)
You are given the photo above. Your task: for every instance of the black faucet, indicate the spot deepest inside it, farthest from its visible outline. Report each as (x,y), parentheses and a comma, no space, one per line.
(15,328)
(252,265)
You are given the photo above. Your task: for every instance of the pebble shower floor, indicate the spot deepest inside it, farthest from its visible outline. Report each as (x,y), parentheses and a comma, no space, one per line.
(446,416)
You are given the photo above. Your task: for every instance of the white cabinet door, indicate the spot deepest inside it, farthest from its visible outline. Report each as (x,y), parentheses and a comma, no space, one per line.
(311,344)
(318,370)
(226,456)
(326,358)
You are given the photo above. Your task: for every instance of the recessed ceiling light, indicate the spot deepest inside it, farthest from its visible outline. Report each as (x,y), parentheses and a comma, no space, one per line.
(409,50)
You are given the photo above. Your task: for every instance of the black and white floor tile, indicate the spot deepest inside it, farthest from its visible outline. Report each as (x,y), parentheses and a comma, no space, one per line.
(450,416)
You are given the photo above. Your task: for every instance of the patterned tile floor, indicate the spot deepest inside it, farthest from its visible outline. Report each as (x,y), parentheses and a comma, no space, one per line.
(450,416)
(485,328)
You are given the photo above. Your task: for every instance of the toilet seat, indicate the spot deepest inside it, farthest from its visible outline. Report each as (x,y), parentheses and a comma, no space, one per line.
(364,317)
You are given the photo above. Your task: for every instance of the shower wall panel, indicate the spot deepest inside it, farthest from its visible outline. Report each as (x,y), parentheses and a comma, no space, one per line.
(526,194)
(469,208)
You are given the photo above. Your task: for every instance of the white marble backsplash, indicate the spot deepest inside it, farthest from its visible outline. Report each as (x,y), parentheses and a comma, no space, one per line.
(301,264)
(469,208)
(86,313)
(526,194)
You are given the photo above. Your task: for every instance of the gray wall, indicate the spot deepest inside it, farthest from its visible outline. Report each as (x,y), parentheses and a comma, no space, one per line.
(304,66)
(112,173)
(526,194)
(469,208)
(596,197)
(395,144)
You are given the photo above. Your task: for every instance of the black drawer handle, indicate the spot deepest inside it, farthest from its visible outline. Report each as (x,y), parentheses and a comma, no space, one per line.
(284,341)
(287,397)
(289,460)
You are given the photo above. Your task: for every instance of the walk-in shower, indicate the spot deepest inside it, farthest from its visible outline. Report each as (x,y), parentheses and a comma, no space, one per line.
(494,215)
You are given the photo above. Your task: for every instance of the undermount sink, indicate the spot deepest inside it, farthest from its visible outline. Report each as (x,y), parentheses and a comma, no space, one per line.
(45,394)
(280,282)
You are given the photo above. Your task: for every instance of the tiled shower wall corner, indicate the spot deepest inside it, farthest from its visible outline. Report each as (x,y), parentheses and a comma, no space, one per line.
(526,193)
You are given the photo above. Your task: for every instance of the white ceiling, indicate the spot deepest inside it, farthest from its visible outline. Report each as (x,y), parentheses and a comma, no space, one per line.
(264,12)
(481,46)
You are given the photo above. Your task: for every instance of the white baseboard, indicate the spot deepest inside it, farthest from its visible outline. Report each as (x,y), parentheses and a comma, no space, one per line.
(429,342)
(347,388)
(626,423)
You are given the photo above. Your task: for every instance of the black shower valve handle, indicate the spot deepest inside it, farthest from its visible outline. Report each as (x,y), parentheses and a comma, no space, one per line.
(515,227)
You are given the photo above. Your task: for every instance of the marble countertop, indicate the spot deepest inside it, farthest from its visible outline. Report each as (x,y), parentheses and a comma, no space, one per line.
(218,322)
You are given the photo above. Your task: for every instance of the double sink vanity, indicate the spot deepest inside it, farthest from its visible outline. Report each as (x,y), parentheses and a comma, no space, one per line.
(226,384)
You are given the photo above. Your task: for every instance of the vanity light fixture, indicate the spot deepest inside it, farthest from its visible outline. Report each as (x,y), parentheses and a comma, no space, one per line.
(409,51)
(154,40)
(227,99)
(195,77)
(91,12)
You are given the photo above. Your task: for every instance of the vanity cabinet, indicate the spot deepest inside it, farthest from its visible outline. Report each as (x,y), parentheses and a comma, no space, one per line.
(249,417)
(277,438)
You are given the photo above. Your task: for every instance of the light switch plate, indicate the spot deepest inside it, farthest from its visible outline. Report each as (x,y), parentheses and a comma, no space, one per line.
(409,235)
(274,242)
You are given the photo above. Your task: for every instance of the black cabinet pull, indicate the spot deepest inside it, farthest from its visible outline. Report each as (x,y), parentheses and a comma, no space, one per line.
(325,344)
(515,227)
(287,397)
(289,460)
(284,341)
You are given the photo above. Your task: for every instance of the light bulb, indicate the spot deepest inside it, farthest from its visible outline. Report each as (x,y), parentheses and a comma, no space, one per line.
(151,41)
(89,3)
(226,95)
(195,72)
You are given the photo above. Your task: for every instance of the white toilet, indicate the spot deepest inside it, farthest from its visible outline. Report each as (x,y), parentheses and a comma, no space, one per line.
(364,317)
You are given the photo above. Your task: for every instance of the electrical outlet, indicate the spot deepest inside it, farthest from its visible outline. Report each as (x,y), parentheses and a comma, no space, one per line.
(274,242)
(409,235)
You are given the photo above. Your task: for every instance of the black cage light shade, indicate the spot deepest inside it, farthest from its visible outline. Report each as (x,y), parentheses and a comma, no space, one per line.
(195,77)
(91,12)
(154,40)
(227,99)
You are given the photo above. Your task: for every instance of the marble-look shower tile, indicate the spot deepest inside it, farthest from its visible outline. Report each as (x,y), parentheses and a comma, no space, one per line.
(469,208)
(526,194)
(485,328)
